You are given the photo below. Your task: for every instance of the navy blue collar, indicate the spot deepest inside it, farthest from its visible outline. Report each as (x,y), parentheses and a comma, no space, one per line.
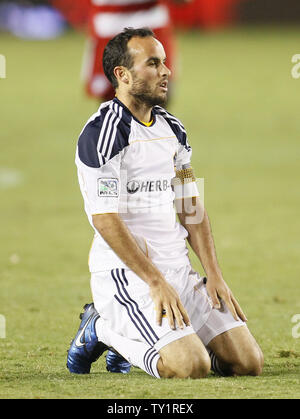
(153,113)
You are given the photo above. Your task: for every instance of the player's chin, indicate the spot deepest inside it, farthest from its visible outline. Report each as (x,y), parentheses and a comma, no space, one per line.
(161,99)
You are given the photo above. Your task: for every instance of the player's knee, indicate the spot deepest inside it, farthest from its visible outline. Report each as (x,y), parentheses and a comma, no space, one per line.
(201,366)
(252,364)
(189,365)
(195,366)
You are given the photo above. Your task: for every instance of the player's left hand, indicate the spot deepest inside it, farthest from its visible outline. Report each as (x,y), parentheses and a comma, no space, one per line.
(217,288)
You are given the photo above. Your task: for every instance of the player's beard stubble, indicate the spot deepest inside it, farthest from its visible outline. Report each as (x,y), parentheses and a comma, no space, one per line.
(144,95)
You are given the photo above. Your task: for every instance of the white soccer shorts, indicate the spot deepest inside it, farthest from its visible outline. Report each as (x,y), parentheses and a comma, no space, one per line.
(123,301)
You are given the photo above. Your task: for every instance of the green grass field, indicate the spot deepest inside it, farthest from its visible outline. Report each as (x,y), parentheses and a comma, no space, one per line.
(237,98)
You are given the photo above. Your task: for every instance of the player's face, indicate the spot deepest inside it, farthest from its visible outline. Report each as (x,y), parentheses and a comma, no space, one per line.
(149,84)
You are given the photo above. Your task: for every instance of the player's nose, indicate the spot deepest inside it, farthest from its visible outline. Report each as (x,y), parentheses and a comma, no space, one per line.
(169,71)
(165,71)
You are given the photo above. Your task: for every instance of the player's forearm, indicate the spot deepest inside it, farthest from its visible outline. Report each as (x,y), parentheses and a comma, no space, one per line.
(195,220)
(116,234)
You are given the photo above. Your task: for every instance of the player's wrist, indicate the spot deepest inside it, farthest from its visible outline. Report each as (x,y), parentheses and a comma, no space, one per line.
(214,272)
(155,280)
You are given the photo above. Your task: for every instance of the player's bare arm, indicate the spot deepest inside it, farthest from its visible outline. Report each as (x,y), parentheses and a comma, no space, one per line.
(201,241)
(116,234)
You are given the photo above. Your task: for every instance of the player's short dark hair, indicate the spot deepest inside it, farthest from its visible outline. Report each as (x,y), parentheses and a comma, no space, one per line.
(116,52)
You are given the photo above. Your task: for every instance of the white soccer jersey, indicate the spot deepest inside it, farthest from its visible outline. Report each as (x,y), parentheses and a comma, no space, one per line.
(126,167)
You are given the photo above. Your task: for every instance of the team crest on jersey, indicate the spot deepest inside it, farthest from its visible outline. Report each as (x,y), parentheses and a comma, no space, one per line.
(108,187)
(133,186)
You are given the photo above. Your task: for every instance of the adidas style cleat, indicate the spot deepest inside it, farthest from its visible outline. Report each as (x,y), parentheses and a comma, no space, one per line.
(85,347)
(116,363)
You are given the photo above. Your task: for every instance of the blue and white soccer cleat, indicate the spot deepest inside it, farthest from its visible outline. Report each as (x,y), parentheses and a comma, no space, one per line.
(116,363)
(85,348)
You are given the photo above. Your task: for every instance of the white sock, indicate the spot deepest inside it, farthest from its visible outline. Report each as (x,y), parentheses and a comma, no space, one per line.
(138,354)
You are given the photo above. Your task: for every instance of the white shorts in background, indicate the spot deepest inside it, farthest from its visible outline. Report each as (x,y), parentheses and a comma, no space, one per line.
(123,301)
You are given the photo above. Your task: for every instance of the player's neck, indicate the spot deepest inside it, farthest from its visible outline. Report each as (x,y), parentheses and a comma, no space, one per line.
(139,110)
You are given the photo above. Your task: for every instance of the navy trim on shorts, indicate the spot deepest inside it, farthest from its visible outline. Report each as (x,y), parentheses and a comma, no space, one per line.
(135,314)
(148,359)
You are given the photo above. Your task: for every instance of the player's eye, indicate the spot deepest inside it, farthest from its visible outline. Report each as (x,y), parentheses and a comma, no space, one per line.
(153,63)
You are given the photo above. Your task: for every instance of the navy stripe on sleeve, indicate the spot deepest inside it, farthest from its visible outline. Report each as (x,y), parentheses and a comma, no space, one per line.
(104,136)
(87,143)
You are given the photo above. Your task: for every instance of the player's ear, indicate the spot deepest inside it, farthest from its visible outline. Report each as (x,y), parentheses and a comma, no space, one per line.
(121,73)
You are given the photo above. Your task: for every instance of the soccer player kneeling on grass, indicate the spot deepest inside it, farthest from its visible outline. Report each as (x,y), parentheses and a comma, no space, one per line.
(149,306)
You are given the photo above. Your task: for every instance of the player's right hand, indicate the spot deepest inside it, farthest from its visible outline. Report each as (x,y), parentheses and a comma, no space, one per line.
(166,301)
